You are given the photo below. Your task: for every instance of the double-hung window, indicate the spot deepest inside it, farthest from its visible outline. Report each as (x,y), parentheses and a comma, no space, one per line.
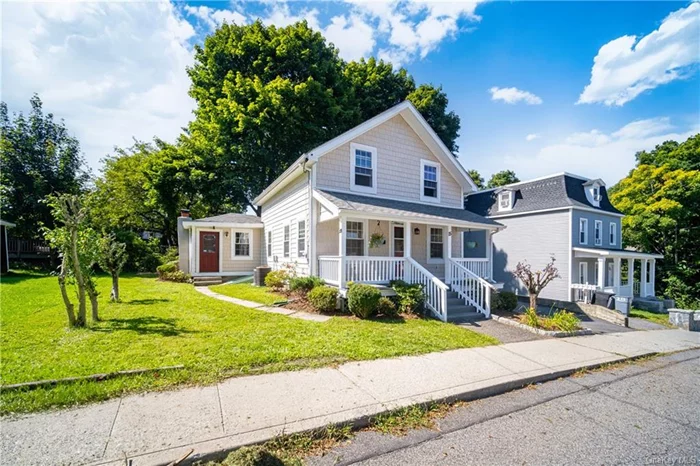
(613,234)
(598,233)
(354,238)
(269,243)
(285,243)
(301,238)
(363,176)
(436,244)
(430,181)
(241,244)
(583,231)
(505,200)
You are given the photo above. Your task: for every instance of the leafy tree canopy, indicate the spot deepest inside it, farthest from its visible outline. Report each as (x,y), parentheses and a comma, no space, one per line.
(502,178)
(685,156)
(476,178)
(38,157)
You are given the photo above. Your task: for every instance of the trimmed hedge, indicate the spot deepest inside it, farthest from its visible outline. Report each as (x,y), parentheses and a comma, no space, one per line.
(305,284)
(363,300)
(386,307)
(323,298)
(277,279)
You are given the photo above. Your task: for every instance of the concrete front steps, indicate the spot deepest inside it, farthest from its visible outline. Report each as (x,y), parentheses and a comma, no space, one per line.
(458,312)
(207,280)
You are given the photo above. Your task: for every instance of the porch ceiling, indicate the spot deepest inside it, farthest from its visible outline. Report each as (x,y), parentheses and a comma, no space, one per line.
(583,253)
(389,209)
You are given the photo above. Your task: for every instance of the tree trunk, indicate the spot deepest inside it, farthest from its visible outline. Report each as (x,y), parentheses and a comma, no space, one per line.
(115,287)
(82,308)
(66,300)
(533,301)
(92,292)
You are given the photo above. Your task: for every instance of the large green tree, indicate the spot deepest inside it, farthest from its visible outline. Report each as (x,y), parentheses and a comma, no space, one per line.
(661,201)
(502,178)
(476,178)
(38,157)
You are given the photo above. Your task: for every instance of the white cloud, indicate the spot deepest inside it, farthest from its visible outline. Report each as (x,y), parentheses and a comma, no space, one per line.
(597,154)
(353,37)
(280,15)
(112,70)
(625,67)
(532,137)
(213,17)
(513,95)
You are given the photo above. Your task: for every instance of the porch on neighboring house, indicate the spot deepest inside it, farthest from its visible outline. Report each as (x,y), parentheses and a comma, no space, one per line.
(613,271)
(375,241)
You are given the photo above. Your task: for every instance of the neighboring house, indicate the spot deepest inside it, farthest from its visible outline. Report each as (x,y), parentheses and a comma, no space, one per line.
(382,201)
(567,217)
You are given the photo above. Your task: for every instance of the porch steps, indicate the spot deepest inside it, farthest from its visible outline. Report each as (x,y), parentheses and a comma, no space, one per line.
(459,312)
(207,281)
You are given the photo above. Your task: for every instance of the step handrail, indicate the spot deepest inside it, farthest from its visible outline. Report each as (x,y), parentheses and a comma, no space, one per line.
(435,290)
(472,288)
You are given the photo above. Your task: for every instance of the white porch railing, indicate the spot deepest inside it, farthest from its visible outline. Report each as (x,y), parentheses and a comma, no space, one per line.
(469,286)
(329,269)
(480,267)
(583,292)
(367,269)
(435,290)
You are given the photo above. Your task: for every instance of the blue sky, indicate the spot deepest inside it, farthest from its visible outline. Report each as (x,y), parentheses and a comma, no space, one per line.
(540,87)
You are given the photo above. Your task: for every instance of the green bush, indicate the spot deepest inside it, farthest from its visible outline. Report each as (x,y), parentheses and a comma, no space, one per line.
(170,254)
(685,294)
(410,297)
(171,272)
(323,298)
(505,301)
(363,300)
(304,284)
(530,318)
(564,321)
(277,279)
(168,267)
(255,455)
(386,307)
(143,255)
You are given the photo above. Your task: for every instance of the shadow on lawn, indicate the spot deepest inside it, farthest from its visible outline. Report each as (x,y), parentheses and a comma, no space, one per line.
(148,325)
(145,301)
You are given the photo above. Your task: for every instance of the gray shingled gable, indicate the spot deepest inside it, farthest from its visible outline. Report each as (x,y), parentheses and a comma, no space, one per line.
(558,191)
(419,212)
(231,218)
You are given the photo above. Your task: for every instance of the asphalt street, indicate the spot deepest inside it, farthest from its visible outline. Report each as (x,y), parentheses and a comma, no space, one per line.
(646,412)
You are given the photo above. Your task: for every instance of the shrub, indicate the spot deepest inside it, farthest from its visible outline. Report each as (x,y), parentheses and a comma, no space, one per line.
(168,267)
(323,298)
(505,301)
(277,279)
(564,321)
(177,276)
(410,296)
(386,307)
(255,455)
(363,300)
(530,318)
(305,284)
(170,254)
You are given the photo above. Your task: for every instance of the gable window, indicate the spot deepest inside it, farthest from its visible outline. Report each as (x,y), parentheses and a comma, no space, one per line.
(285,243)
(354,238)
(583,231)
(269,243)
(436,244)
(301,238)
(613,234)
(363,176)
(241,244)
(598,233)
(505,200)
(430,181)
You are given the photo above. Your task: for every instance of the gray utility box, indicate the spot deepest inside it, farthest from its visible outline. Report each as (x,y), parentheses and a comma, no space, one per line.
(622,304)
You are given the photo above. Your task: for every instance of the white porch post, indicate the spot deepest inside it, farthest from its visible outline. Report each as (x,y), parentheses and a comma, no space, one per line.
(630,274)
(341,248)
(616,274)
(407,236)
(652,279)
(448,278)
(643,284)
(489,252)
(601,273)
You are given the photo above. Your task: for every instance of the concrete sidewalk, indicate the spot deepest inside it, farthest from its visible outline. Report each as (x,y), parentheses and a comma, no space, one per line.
(156,428)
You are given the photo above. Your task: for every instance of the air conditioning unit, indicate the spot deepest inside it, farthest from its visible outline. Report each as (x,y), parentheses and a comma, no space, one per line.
(597,197)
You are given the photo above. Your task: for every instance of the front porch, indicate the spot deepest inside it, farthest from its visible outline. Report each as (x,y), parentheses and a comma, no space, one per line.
(613,271)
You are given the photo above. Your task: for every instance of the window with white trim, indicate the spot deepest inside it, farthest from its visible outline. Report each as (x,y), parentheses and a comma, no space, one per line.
(285,243)
(436,244)
(583,231)
(613,234)
(363,176)
(430,181)
(241,244)
(301,238)
(598,233)
(505,200)
(354,238)
(269,243)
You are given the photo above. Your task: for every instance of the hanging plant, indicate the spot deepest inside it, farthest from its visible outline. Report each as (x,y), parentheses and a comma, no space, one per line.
(376,240)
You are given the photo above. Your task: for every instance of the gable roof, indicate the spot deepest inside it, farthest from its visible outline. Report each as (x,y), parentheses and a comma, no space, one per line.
(561,190)
(414,119)
(231,218)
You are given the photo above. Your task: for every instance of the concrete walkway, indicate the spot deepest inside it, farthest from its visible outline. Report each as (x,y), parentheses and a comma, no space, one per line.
(156,428)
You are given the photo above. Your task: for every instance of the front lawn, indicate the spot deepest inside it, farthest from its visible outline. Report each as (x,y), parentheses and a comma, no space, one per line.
(657,318)
(163,324)
(248,292)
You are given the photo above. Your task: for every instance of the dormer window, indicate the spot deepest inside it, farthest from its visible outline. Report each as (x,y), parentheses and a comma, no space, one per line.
(430,181)
(505,200)
(594,193)
(363,174)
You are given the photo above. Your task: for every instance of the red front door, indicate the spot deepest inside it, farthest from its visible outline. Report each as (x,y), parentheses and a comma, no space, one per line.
(208,251)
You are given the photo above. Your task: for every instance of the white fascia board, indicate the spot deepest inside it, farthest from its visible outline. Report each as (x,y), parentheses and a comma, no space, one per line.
(291,173)
(326,203)
(350,213)
(555,209)
(623,253)
(196,224)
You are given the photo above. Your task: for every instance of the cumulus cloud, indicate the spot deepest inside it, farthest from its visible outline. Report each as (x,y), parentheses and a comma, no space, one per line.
(352,36)
(626,67)
(112,70)
(513,95)
(532,137)
(598,154)
(213,17)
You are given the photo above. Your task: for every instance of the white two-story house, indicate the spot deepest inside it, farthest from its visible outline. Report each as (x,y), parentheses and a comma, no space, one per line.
(382,201)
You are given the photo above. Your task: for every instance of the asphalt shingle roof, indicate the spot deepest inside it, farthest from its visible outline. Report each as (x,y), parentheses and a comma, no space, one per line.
(231,218)
(419,212)
(549,193)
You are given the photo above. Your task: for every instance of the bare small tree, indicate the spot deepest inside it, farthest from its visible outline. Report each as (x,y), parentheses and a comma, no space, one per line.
(111,259)
(535,281)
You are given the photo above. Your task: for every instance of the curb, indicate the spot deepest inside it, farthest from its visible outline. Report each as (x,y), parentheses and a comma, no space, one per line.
(539,331)
(359,422)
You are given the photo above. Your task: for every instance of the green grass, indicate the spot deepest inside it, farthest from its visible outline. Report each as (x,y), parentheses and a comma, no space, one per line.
(248,292)
(661,319)
(161,324)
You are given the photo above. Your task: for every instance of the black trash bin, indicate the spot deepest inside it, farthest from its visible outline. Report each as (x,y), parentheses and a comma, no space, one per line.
(605,299)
